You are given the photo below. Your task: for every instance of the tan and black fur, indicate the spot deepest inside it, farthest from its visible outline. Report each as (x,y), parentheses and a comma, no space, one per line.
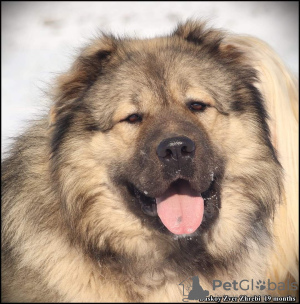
(73,186)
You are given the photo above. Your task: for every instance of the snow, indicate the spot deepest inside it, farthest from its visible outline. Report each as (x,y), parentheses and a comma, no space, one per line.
(40,39)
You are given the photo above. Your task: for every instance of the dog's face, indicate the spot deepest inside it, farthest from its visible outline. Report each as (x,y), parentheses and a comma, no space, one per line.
(174,131)
(164,125)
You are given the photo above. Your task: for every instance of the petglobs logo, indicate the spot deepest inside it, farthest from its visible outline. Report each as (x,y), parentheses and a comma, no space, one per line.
(235,291)
(253,285)
(192,290)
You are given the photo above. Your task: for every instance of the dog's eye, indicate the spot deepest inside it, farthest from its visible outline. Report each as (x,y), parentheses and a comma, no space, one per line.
(197,106)
(133,118)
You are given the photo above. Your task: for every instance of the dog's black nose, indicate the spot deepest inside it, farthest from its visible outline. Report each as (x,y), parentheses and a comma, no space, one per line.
(176,150)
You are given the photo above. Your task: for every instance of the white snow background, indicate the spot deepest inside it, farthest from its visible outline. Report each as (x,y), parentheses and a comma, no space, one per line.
(40,40)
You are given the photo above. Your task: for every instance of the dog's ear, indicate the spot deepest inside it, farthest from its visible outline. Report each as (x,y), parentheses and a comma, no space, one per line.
(200,34)
(277,85)
(82,74)
(210,40)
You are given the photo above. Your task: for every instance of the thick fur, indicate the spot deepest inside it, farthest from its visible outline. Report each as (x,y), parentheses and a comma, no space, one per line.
(72,224)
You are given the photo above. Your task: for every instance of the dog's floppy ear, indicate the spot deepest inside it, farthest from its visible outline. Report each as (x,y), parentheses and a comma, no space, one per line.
(82,74)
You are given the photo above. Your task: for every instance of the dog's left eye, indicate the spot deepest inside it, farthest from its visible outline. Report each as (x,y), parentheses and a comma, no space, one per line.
(133,118)
(197,106)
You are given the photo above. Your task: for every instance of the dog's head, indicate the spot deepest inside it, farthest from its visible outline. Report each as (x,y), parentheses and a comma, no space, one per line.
(174,130)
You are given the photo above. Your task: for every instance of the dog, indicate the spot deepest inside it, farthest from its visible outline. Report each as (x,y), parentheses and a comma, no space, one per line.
(161,159)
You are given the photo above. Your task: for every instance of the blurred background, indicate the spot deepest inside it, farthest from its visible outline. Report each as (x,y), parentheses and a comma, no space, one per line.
(39,39)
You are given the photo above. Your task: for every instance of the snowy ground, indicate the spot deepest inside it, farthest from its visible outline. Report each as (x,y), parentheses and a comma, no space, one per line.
(39,39)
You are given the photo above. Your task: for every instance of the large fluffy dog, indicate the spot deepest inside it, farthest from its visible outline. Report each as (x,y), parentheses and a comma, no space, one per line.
(161,159)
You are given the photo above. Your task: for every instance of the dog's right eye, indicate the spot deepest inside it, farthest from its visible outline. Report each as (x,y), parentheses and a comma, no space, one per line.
(197,106)
(133,118)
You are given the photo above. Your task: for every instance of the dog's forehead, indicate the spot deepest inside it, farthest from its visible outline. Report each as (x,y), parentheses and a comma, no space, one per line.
(163,73)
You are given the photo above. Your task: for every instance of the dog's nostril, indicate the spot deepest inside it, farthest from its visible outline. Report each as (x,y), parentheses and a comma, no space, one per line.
(168,154)
(184,151)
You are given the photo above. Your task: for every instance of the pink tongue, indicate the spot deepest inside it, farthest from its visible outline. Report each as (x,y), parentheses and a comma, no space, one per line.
(180,209)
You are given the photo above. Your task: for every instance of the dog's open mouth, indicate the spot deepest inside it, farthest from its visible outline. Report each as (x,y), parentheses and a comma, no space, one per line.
(180,208)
